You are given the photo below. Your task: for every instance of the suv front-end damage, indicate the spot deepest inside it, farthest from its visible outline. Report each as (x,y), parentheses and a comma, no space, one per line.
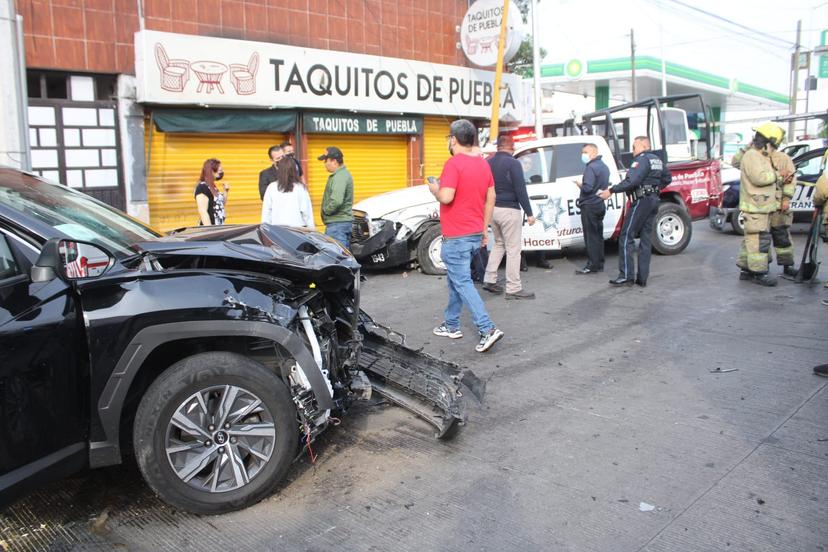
(296,295)
(345,342)
(215,354)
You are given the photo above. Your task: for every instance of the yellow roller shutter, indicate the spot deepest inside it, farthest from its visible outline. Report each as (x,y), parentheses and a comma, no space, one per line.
(377,163)
(175,165)
(435,145)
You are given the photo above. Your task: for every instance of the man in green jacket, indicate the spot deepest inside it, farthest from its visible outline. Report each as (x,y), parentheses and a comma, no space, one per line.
(338,197)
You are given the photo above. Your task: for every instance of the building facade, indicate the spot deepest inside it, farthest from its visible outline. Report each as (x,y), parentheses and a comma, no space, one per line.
(127,98)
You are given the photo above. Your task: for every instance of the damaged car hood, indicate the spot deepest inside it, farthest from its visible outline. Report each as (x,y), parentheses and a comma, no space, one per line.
(294,252)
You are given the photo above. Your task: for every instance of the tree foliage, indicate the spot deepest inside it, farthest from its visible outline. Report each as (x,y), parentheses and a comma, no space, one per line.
(521,64)
(523,6)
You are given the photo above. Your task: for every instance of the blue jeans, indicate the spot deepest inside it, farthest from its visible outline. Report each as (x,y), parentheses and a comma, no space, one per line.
(456,254)
(341,232)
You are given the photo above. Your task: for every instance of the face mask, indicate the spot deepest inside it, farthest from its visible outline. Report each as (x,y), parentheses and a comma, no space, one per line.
(584,158)
(220,175)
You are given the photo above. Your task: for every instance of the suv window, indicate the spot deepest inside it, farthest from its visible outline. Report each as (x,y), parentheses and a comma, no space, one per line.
(532,163)
(568,160)
(72,213)
(811,169)
(795,151)
(8,264)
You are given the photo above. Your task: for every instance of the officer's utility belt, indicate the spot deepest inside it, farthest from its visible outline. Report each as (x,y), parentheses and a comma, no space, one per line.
(642,191)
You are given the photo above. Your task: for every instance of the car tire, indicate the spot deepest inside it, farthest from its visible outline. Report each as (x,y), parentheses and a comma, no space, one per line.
(672,229)
(737,222)
(428,251)
(251,463)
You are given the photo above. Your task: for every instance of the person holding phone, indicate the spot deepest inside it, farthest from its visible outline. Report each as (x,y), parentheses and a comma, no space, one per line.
(210,202)
(466,195)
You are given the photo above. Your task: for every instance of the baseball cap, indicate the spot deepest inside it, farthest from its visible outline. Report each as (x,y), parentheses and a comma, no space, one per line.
(331,153)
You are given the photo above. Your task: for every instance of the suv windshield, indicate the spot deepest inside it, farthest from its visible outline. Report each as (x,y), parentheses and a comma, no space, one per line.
(72,213)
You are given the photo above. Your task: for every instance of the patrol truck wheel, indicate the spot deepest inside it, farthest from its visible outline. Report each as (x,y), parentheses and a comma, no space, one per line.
(428,251)
(737,221)
(672,229)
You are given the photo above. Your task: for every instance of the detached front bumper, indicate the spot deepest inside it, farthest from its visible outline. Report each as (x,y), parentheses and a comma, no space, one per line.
(437,391)
(381,250)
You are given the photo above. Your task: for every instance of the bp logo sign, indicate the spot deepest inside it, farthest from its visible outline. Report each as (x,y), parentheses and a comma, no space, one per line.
(480,32)
(575,69)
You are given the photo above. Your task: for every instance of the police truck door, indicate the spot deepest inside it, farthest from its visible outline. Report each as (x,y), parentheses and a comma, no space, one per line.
(553,201)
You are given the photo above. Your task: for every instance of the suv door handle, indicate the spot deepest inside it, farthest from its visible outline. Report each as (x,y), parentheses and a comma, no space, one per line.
(539,197)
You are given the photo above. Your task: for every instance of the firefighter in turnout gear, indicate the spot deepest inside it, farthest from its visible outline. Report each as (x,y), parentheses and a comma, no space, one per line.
(757,201)
(645,179)
(782,218)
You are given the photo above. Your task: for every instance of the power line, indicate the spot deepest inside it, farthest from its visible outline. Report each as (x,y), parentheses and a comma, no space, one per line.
(707,39)
(720,25)
(731,22)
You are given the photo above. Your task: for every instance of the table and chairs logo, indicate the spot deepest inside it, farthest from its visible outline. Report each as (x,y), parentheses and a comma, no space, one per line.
(210,75)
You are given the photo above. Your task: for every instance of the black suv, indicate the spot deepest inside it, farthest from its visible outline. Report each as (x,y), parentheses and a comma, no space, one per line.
(215,354)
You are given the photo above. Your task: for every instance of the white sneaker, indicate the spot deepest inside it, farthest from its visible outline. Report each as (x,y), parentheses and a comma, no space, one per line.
(488,339)
(444,331)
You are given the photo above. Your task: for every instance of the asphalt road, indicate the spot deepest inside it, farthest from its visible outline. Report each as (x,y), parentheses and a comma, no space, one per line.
(603,429)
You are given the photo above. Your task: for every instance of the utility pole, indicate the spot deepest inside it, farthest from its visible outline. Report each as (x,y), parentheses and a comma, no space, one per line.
(501,46)
(795,69)
(536,70)
(632,61)
(661,45)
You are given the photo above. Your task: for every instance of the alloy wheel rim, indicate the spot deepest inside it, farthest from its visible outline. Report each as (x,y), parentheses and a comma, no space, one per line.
(220,438)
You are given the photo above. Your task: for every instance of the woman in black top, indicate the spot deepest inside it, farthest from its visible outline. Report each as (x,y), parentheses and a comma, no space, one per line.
(209,200)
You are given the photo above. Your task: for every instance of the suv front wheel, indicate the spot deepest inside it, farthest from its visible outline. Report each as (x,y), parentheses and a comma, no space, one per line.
(216,432)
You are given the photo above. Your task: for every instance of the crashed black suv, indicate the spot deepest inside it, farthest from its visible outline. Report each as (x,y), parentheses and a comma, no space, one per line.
(215,354)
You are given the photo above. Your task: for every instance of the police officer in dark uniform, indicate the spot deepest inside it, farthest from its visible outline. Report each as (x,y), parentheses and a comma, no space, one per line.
(646,177)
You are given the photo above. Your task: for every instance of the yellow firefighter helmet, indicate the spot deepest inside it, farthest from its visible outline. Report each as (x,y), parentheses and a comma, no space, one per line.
(773,132)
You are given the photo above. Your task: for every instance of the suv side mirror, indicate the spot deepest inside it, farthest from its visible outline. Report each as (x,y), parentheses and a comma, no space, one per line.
(71,260)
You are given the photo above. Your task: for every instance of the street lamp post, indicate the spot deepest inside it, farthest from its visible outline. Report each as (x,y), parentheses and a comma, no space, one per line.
(536,70)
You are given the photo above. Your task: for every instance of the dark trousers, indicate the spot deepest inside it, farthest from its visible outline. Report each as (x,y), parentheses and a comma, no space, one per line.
(638,223)
(592,221)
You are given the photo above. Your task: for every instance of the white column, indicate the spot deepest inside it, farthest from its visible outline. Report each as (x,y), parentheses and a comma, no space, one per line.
(14,150)
(131,125)
(536,69)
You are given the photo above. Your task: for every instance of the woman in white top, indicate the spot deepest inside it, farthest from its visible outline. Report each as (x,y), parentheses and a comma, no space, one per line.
(286,201)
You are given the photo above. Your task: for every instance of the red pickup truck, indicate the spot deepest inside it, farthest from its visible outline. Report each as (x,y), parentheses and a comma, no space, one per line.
(697,182)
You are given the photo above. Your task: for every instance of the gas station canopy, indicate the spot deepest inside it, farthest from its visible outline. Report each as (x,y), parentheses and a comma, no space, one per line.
(610,80)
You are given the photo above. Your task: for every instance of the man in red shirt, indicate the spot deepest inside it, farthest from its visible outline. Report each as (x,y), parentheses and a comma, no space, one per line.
(467,196)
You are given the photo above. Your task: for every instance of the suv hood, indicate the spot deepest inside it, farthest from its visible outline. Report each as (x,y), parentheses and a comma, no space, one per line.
(296,253)
(383,204)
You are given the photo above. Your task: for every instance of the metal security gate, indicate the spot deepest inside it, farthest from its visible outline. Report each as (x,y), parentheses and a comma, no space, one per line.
(175,166)
(435,145)
(77,144)
(377,163)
